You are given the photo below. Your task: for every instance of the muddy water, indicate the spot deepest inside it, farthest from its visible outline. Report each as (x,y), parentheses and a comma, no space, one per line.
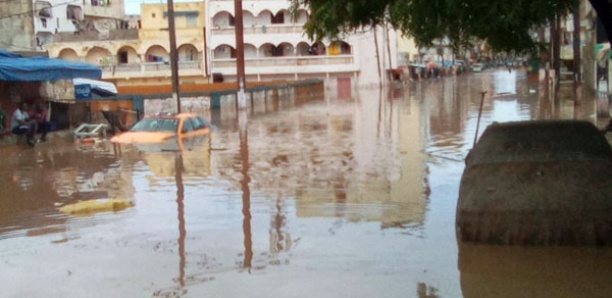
(330,198)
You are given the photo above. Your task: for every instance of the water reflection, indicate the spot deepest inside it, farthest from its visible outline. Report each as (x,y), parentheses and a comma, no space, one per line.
(41,181)
(327,198)
(424,291)
(246,191)
(502,271)
(375,162)
(180,206)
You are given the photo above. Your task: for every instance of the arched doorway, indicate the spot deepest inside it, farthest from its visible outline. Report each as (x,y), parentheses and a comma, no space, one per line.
(224,52)
(69,54)
(187,52)
(286,49)
(339,47)
(157,54)
(250,51)
(303,49)
(127,55)
(99,56)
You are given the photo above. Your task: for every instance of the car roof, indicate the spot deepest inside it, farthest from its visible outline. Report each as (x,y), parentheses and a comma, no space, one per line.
(172,115)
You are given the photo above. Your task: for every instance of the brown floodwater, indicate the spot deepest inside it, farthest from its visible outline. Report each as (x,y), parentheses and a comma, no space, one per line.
(325,198)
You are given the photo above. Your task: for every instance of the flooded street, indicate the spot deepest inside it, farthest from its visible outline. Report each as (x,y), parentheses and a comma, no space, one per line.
(328,198)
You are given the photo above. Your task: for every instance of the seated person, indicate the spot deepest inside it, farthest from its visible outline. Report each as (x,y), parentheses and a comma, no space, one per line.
(22,124)
(2,119)
(39,114)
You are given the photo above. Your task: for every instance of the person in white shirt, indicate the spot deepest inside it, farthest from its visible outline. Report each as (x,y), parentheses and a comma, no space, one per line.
(21,124)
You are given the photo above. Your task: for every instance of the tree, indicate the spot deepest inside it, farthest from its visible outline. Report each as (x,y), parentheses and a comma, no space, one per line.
(504,25)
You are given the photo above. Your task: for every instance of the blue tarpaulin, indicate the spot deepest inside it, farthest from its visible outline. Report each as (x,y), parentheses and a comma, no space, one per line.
(14,67)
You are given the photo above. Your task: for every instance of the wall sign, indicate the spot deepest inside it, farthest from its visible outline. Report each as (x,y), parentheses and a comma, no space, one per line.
(82,91)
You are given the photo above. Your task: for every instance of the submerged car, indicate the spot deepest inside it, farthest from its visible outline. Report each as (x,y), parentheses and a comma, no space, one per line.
(163,127)
(478,67)
(537,183)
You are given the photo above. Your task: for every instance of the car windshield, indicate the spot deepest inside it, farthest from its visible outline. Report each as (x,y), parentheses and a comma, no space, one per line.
(156,124)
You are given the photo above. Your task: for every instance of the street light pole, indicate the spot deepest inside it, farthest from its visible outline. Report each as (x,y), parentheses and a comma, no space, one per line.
(240,76)
(173,56)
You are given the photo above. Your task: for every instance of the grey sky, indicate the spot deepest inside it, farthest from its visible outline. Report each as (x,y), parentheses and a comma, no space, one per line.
(133,6)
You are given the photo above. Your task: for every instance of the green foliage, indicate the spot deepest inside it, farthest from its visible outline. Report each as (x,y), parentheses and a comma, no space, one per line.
(504,24)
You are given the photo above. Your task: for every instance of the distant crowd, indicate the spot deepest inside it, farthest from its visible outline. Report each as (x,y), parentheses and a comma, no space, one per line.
(415,71)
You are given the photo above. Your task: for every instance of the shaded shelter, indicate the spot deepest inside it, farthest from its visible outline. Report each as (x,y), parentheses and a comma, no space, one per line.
(24,78)
(17,68)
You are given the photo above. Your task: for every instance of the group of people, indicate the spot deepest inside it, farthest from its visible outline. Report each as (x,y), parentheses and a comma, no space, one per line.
(30,121)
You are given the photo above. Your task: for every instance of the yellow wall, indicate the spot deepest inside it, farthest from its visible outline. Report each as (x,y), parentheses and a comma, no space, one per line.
(152,15)
(407,45)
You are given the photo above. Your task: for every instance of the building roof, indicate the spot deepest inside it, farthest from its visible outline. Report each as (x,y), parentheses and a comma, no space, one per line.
(15,67)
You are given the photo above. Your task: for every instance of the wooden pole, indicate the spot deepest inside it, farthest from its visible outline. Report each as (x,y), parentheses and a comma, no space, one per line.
(173,56)
(240,74)
(380,77)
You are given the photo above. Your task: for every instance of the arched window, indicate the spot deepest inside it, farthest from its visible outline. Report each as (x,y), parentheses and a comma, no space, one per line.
(339,48)
(68,54)
(250,51)
(126,55)
(224,52)
(157,54)
(286,49)
(99,56)
(317,49)
(303,49)
(187,53)
(267,50)
(279,18)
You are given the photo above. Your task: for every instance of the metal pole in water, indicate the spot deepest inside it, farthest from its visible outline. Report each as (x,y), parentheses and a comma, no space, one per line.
(482,96)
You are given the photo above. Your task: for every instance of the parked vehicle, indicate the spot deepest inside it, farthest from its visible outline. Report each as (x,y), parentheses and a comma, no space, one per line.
(477,67)
(161,128)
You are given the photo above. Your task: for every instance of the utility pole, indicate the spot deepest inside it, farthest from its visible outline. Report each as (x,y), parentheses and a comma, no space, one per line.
(556,39)
(240,76)
(380,77)
(205,54)
(173,56)
(576,44)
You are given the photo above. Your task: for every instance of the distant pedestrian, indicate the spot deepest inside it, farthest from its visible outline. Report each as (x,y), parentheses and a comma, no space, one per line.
(39,114)
(2,120)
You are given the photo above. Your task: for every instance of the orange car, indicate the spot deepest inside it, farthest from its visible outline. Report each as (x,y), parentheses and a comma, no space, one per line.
(160,128)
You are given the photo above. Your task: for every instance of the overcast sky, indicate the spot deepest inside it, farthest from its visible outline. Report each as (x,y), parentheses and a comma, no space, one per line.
(133,6)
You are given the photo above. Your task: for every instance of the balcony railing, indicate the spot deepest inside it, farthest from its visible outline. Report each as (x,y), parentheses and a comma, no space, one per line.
(151,69)
(259,29)
(286,61)
(124,34)
(296,64)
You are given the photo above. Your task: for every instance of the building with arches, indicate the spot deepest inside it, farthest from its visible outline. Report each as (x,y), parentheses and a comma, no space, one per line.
(141,56)
(27,26)
(275,48)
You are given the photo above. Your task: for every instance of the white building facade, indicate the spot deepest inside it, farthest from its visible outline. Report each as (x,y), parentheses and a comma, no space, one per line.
(276,47)
(29,25)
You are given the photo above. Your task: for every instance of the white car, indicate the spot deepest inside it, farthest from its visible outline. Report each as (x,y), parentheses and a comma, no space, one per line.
(477,67)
